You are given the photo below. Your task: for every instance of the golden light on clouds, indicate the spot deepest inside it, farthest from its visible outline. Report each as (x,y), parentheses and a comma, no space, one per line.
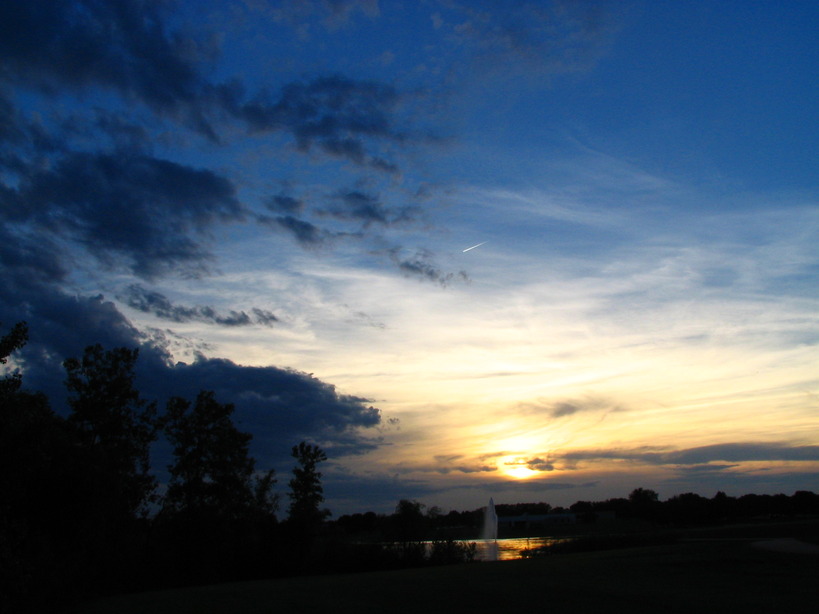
(516,467)
(550,381)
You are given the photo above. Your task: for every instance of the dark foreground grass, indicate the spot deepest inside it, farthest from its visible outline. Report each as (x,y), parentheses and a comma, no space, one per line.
(720,575)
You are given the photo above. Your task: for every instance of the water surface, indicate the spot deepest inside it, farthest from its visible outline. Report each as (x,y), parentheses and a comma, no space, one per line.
(510,548)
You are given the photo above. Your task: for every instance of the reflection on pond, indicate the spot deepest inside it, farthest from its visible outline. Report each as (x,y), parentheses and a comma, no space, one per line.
(511,548)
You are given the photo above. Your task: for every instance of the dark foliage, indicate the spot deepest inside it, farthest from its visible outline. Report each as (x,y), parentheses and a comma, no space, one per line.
(75,492)
(408,524)
(114,426)
(213,471)
(216,514)
(306,493)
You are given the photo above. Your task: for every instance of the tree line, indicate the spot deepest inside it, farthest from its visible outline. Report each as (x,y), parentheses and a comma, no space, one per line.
(413,520)
(81,512)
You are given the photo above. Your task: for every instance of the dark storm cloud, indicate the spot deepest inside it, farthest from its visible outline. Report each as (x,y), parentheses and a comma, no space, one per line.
(28,258)
(126,47)
(384,166)
(87,89)
(158,304)
(125,135)
(83,173)
(282,203)
(20,140)
(306,233)
(420,265)
(123,46)
(139,208)
(12,127)
(61,326)
(349,207)
(357,206)
(336,115)
(278,406)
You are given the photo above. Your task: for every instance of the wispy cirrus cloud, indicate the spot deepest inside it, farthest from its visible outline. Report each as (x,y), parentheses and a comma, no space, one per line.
(569,407)
(544,37)
(332,14)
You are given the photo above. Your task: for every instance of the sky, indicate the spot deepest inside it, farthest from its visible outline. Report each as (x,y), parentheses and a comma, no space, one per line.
(276,200)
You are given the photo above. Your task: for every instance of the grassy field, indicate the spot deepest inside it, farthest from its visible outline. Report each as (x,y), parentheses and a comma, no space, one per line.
(710,575)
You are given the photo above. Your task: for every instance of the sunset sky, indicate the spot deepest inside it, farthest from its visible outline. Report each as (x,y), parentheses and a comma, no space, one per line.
(275,200)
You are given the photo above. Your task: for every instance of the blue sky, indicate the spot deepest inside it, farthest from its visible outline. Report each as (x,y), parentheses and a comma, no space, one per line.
(272,199)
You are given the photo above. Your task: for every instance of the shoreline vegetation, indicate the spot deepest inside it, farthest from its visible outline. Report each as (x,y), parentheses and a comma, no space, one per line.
(714,569)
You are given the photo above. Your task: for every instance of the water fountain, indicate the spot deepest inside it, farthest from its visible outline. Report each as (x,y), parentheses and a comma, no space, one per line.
(490,522)
(490,531)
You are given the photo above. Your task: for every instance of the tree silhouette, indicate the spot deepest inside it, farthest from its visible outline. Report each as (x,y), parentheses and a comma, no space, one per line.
(13,340)
(306,493)
(644,503)
(216,515)
(30,434)
(643,496)
(409,523)
(213,471)
(66,509)
(114,425)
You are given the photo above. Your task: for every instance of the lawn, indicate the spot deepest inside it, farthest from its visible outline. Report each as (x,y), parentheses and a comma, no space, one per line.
(719,575)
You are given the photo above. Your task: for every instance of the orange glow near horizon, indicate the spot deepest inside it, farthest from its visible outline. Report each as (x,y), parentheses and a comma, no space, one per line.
(516,467)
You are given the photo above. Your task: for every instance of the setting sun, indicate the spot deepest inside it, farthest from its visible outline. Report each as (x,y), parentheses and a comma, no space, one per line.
(516,467)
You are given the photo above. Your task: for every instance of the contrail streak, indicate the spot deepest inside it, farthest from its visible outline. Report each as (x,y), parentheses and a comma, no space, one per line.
(473,247)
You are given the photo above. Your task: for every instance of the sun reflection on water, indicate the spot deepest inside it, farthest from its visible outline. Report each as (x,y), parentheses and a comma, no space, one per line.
(511,548)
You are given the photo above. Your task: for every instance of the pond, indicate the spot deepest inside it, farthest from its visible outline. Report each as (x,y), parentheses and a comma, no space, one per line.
(511,548)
